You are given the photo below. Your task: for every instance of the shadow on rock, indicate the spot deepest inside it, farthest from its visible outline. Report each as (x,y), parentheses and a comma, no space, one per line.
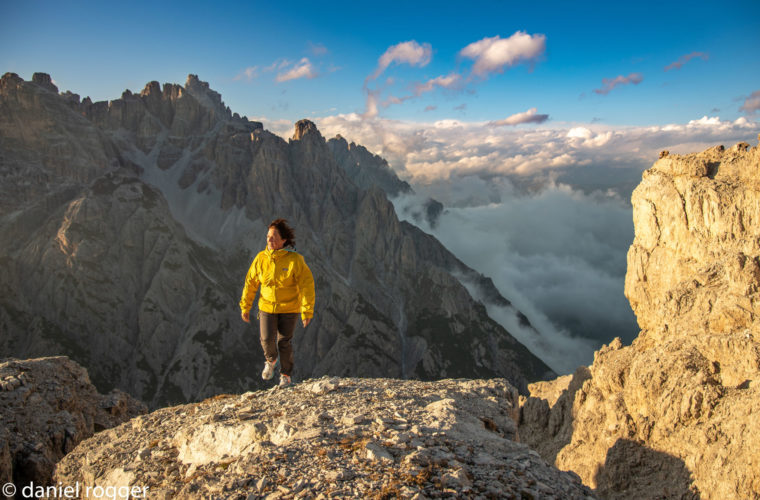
(546,418)
(632,470)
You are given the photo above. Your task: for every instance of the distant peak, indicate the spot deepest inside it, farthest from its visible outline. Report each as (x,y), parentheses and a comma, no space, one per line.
(205,95)
(152,88)
(195,83)
(340,140)
(304,127)
(44,81)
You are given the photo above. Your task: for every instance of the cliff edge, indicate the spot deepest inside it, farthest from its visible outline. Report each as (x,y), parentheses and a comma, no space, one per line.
(675,414)
(48,406)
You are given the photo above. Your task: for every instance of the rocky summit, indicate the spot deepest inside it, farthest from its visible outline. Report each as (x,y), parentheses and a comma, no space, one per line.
(328,438)
(677,413)
(127,228)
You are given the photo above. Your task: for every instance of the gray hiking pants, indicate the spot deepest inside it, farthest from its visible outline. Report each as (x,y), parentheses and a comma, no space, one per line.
(276,331)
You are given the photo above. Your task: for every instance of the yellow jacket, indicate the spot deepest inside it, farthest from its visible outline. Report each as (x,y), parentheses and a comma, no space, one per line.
(287,285)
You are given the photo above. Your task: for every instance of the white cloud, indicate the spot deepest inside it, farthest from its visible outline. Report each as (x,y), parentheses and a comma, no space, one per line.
(410,52)
(751,103)
(301,69)
(684,59)
(490,55)
(579,133)
(493,55)
(248,74)
(530,116)
(609,84)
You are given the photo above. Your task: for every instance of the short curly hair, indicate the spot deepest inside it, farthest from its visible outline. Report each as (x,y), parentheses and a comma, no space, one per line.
(286,232)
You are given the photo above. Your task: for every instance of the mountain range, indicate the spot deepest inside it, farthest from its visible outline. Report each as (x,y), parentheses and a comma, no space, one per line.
(128,226)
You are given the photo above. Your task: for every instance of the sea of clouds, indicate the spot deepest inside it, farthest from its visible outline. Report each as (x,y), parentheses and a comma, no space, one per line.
(557,254)
(543,211)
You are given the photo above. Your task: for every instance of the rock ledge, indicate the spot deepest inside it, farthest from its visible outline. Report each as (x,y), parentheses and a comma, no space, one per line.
(326,438)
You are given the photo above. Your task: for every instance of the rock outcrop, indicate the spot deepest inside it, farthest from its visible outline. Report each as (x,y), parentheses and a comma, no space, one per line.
(675,414)
(127,227)
(48,407)
(328,438)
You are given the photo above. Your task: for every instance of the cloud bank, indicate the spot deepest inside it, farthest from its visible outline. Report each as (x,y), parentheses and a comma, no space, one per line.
(558,255)
(423,152)
(543,211)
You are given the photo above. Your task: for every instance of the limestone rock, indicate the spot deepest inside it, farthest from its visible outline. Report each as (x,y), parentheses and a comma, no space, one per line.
(431,439)
(48,407)
(674,415)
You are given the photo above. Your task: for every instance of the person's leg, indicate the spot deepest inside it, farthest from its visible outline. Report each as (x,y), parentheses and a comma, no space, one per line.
(286,325)
(268,335)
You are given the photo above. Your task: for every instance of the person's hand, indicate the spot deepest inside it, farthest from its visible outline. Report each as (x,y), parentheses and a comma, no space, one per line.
(306,322)
(246,315)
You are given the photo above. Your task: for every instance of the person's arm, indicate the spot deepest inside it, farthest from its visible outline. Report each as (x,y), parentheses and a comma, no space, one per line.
(306,288)
(249,292)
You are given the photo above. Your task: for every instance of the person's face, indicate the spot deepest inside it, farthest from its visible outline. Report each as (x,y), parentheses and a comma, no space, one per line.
(274,240)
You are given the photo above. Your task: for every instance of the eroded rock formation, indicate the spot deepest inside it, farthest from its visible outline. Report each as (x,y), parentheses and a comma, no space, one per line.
(47,407)
(675,414)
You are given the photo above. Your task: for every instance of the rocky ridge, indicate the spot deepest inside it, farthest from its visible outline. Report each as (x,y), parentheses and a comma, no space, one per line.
(328,438)
(48,407)
(128,226)
(675,414)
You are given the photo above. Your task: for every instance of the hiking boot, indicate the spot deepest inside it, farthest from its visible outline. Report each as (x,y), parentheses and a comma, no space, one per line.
(268,372)
(284,380)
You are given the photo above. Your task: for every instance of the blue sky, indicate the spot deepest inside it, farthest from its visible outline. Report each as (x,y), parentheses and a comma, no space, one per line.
(101,48)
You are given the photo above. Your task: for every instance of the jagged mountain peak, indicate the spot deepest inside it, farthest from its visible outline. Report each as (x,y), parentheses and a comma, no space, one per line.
(44,81)
(201,91)
(306,127)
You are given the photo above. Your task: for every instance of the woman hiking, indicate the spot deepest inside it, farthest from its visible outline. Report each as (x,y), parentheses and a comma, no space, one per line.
(287,289)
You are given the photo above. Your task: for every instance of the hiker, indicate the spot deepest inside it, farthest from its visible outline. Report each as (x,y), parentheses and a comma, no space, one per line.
(287,289)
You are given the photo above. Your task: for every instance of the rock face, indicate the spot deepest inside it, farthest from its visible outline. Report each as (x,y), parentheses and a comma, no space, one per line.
(127,227)
(675,414)
(48,406)
(325,438)
(366,169)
